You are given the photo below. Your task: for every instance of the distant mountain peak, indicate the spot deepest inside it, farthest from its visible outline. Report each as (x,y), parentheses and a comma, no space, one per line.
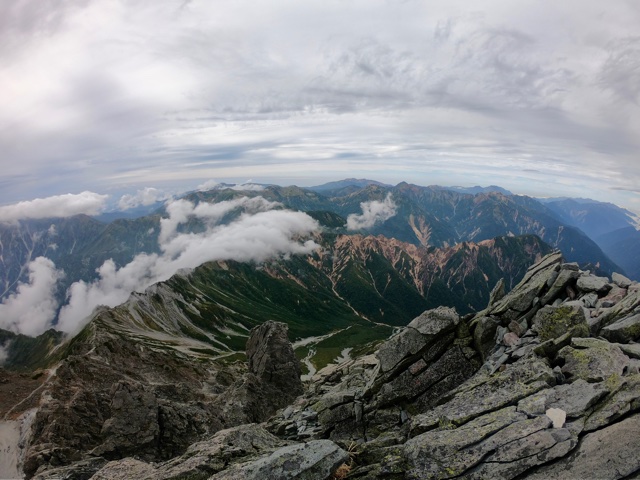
(347,182)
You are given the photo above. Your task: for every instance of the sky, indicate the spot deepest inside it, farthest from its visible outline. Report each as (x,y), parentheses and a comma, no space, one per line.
(139,99)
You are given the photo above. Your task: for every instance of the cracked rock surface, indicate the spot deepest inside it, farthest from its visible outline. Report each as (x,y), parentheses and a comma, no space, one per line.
(544,383)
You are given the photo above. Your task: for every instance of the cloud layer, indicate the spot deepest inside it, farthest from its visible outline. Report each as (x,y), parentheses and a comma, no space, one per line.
(372,212)
(88,203)
(144,197)
(258,233)
(31,310)
(539,97)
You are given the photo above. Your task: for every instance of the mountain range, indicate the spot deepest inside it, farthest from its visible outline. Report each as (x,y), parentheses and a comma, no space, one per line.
(423,216)
(196,354)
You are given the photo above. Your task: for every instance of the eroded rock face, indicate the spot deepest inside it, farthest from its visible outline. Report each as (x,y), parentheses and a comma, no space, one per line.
(273,380)
(553,398)
(202,459)
(272,360)
(303,461)
(121,399)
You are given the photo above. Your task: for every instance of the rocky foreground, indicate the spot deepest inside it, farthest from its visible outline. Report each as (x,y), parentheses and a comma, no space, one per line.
(544,383)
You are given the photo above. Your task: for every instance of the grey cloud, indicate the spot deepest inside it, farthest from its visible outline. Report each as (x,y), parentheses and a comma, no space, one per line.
(258,234)
(87,203)
(31,309)
(372,213)
(203,88)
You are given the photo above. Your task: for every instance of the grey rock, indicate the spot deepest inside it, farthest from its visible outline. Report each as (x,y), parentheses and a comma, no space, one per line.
(521,298)
(631,350)
(574,399)
(134,420)
(511,339)
(623,308)
(591,283)
(125,469)
(592,360)
(404,344)
(615,295)
(590,300)
(421,332)
(518,456)
(484,335)
(409,386)
(273,380)
(317,459)
(497,293)
(214,455)
(484,393)
(273,361)
(436,321)
(76,471)
(623,331)
(430,454)
(625,399)
(553,322)
(508,444)
(620,280)
(601,455)
(567,276)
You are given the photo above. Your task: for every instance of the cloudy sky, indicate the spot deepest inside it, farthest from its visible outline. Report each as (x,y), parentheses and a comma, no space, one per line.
(109,97)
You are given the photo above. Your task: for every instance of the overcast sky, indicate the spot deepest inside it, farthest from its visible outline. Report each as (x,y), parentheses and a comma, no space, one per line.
(114,96)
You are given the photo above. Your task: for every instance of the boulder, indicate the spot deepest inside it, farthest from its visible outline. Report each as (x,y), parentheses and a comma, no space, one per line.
(591,283)
(573,398)
(592,360)
(133,425)
(566,277)
(318,459)
(620,280)
(531,287)
(273,361)
(497,293)
(485,393)
(484,334)
(423,331)
(125,469)
(553,322)
(623,331)
(273,380)
(506,443)
(625,399)
(610,453)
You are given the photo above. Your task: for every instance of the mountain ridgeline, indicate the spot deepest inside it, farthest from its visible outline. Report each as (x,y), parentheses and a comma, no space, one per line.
(426,216)
(352,291)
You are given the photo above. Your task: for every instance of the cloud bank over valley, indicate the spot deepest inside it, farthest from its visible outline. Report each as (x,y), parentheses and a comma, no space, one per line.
(259,231)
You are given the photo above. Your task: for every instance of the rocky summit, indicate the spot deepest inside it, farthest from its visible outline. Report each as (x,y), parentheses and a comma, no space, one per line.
(543,383)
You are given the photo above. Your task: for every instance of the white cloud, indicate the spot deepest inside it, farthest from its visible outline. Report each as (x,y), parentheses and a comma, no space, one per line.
(87,203)
(146,196)
(32,308)
(259,233)
(372,212)
(248,186)
(208,185)
(4,353)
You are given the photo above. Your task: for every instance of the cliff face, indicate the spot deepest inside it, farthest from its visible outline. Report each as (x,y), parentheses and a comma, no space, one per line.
(539,383)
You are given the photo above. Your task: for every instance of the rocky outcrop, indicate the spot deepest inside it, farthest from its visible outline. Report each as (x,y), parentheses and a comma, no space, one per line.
(540,384)
(551,388)
(372,396)
(111,398)
(247,452)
